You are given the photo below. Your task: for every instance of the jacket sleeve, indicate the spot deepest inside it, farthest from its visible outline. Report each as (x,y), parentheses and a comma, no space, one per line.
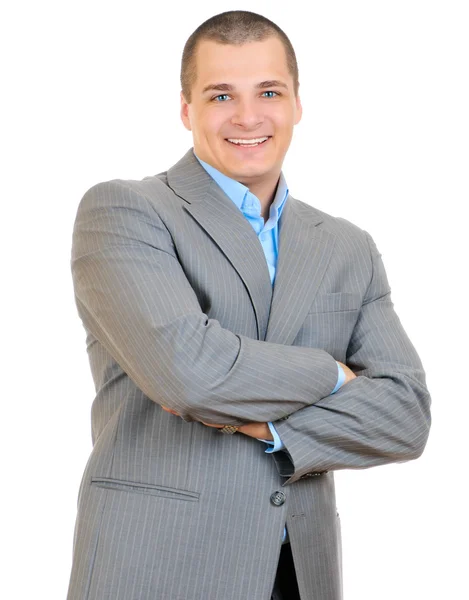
(133,297)
(382,416)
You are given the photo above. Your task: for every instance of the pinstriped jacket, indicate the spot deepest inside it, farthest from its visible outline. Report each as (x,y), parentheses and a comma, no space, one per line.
(174,293)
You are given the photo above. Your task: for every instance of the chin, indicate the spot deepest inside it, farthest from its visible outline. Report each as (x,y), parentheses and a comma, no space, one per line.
(252,168)
(249,173)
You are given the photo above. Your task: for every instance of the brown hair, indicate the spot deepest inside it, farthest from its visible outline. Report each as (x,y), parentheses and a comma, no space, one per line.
(235,27)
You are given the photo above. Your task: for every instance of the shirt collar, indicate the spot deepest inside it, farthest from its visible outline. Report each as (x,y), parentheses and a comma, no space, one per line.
(245,200)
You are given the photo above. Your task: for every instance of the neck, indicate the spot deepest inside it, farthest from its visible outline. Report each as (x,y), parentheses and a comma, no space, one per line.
(265,192)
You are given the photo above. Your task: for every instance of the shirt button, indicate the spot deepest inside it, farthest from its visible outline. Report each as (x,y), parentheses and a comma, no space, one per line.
(278,498)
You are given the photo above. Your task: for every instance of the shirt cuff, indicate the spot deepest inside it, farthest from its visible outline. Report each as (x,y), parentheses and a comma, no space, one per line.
(340,379)
(276,444)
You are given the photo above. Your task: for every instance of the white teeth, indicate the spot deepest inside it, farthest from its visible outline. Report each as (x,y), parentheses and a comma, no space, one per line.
(248,142)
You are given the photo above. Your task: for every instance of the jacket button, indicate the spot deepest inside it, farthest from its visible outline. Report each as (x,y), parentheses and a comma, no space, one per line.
(278,498)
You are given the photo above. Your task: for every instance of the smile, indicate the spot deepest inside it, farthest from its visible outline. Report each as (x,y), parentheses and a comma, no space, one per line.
(244,143)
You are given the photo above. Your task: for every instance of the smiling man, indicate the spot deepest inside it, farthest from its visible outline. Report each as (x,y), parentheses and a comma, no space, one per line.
(241,108)
(215,303)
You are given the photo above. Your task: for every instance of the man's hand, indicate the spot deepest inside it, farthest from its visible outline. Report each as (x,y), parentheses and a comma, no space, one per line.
(260,431)
(349,374)
(173,412)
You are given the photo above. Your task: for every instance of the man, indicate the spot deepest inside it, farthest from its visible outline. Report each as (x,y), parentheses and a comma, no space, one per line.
(214,302)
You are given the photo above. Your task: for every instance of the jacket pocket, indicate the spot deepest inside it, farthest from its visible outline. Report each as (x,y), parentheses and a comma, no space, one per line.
(336,302)
(150,489)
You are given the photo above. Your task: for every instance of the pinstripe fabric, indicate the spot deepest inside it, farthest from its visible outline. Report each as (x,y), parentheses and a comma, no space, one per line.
(174,293)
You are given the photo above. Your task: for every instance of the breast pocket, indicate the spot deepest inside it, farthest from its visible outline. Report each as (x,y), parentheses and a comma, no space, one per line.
(336,302)
(330,322)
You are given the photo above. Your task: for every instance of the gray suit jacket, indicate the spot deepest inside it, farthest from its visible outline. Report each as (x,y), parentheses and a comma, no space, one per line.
(173,290)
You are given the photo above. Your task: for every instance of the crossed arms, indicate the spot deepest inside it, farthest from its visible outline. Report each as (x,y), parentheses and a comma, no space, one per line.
(133,296)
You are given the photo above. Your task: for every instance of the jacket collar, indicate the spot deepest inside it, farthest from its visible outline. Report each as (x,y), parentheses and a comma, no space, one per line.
(305,249)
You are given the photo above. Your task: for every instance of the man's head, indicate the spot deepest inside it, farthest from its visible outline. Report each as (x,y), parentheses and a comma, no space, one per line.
(239,79)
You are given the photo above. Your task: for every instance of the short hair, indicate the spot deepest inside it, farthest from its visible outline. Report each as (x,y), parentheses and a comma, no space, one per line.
(235,27)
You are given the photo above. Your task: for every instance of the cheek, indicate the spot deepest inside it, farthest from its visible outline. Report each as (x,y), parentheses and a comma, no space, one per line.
(213,121)
(282,120)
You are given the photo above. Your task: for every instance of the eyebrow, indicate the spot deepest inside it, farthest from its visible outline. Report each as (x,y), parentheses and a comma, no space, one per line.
(227,87)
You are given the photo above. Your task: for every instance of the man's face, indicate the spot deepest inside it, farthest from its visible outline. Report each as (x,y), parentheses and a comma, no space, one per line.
(242,93)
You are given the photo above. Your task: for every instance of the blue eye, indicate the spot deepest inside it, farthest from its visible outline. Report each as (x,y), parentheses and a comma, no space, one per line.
(221,96)
(270,92)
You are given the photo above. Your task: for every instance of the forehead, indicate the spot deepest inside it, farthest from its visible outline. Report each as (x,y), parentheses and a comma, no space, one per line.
(240,64)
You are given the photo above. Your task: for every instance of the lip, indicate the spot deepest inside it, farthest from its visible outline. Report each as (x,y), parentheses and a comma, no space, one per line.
(255,137)
(247,148)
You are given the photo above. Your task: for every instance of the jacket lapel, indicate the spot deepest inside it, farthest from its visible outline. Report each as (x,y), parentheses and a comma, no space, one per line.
(305,250)
(228,228)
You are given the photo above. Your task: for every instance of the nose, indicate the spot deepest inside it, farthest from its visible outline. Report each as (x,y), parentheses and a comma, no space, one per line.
(247,114)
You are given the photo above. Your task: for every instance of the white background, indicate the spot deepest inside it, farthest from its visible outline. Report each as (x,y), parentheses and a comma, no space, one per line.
(90,93)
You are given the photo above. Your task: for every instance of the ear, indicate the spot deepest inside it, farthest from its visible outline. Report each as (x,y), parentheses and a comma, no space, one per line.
(298,110)
(185,113)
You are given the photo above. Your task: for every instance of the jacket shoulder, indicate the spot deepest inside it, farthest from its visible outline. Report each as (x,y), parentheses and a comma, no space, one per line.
(335,225)
(153,188)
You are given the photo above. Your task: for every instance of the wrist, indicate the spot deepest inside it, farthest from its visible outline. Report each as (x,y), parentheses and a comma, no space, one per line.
(257,430)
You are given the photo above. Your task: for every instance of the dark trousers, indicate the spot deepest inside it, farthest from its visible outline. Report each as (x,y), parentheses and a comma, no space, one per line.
(286,586)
